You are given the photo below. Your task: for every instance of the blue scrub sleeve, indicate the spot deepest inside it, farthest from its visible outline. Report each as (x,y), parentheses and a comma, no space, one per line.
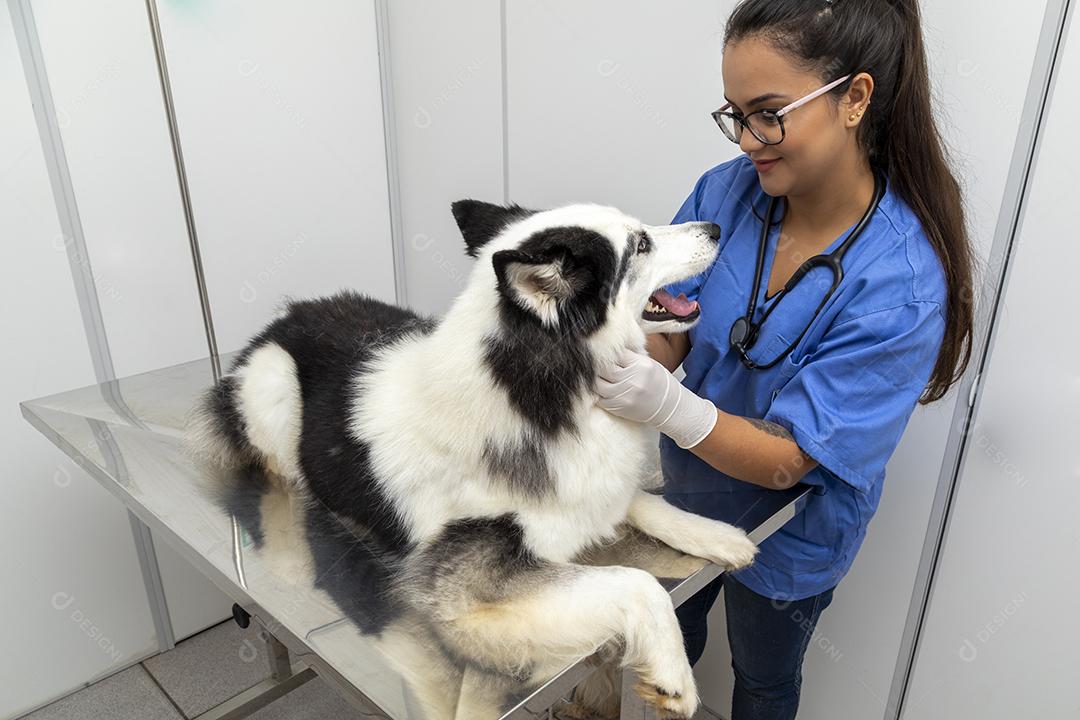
(849,402)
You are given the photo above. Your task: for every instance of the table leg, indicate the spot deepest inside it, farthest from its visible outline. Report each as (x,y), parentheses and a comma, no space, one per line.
(633,707)
(284,678)
(278,656)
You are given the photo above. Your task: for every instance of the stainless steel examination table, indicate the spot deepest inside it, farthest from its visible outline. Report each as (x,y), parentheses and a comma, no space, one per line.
(315,593)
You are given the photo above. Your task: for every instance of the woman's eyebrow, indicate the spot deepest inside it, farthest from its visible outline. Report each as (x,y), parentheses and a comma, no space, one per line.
(759,98)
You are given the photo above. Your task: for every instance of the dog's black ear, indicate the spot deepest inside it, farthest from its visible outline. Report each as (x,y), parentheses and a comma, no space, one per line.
(480,221)
(537,284)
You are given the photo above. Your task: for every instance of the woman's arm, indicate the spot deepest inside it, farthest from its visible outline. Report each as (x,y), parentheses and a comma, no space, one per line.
(755,451)
(641,388)
(669,349)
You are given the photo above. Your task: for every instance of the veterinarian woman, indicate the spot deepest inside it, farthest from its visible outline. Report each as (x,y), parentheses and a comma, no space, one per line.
(818,397)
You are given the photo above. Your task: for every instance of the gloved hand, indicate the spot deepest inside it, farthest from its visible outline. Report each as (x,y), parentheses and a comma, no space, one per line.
(638,388)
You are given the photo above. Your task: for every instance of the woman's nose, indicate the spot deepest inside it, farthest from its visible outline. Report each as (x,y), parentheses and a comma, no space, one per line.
(748,143)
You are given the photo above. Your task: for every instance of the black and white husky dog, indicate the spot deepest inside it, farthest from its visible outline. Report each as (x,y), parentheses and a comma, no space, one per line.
(470,449)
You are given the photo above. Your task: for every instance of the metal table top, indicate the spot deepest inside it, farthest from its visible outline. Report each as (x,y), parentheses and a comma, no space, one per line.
(313,588)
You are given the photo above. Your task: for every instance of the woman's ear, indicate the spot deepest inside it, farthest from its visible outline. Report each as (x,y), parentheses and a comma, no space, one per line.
(857,98)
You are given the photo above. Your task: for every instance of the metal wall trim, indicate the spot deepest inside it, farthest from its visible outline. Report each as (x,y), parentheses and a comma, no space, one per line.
(393,182)
(504,53)
(1010,219)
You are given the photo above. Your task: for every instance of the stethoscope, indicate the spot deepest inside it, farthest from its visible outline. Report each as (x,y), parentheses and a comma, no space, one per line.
(744,331)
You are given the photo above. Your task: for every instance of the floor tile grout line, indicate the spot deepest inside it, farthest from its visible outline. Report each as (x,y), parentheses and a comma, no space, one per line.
(163,691)
(179,645)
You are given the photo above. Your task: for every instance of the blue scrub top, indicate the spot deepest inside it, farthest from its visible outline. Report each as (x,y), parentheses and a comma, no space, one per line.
(845,392)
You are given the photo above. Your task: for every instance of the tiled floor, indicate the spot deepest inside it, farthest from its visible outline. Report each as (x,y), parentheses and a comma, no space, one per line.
(130,693)
(196,675)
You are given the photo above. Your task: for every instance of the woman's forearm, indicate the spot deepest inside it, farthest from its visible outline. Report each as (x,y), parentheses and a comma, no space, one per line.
(752,450)
(755,451)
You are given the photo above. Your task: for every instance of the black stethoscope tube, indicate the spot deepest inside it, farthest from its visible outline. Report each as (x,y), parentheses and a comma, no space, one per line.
(744,331)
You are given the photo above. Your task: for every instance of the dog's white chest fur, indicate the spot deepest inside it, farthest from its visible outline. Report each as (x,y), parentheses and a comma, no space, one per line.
(435,470)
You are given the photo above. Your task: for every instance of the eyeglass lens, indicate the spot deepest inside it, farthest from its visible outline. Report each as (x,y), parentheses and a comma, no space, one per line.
(764,125)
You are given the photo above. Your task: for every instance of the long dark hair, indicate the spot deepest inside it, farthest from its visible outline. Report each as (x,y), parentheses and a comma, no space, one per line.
(884,38)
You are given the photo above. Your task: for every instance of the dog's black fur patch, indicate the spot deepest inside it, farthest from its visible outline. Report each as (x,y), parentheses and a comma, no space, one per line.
(348,565)
(329,339)
(541,372)
(624,263)
(242,499)
(480,221)
(588,265)
(491,548)
(544,368)
(522,465)
(355,570)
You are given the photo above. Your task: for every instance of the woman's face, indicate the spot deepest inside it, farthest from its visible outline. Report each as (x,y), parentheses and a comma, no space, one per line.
(816,134)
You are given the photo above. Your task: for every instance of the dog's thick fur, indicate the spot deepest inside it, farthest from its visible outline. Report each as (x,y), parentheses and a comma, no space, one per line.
(470,454)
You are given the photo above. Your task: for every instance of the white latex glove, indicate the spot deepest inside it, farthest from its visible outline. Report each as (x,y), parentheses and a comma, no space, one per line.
(638,388)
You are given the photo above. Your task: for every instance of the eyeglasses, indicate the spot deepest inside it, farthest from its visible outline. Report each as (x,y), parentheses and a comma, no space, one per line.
(766,125)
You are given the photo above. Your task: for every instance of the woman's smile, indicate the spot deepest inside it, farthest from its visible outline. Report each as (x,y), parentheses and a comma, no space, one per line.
(765,165)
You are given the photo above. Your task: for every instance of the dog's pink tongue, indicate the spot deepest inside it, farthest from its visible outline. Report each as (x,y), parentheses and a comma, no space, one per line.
(675,305)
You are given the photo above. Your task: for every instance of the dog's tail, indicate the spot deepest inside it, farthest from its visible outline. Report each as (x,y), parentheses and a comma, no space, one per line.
(250,417)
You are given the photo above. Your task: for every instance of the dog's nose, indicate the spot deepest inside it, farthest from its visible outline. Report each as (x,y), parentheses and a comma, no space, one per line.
(713,230)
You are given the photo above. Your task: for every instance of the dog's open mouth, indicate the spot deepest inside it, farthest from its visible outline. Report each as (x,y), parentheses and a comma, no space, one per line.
(663,305)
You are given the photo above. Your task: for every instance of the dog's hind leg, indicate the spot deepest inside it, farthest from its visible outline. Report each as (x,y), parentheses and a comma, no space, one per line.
(560,613)
(499,608)
(268,399)
(719,542)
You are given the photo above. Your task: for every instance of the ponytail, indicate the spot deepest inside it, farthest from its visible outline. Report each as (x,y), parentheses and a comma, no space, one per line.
(884,38)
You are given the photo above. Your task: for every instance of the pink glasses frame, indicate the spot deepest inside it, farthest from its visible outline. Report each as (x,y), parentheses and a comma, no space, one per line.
(798,103)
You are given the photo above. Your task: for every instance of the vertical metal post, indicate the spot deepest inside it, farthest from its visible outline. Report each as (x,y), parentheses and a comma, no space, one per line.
(631,706)
(182,182)
(278,656)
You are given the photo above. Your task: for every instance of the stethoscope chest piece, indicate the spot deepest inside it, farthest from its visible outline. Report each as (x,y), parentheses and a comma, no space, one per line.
(745,329)
(740,332)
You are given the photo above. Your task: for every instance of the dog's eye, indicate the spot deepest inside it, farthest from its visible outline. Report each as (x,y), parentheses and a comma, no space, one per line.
(643,244)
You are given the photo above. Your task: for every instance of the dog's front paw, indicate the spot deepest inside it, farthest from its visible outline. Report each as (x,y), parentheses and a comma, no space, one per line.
(732,548)
(673,698)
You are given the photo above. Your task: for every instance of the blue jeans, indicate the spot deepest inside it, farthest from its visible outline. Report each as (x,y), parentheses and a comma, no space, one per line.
(768,639)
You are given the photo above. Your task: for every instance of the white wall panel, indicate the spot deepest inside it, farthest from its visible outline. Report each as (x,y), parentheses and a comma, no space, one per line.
(280,118)
(73,601)
(447,87)
(100,60)
(279,110)
(997,642)
(101,68)
(281,123)
(609,102)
